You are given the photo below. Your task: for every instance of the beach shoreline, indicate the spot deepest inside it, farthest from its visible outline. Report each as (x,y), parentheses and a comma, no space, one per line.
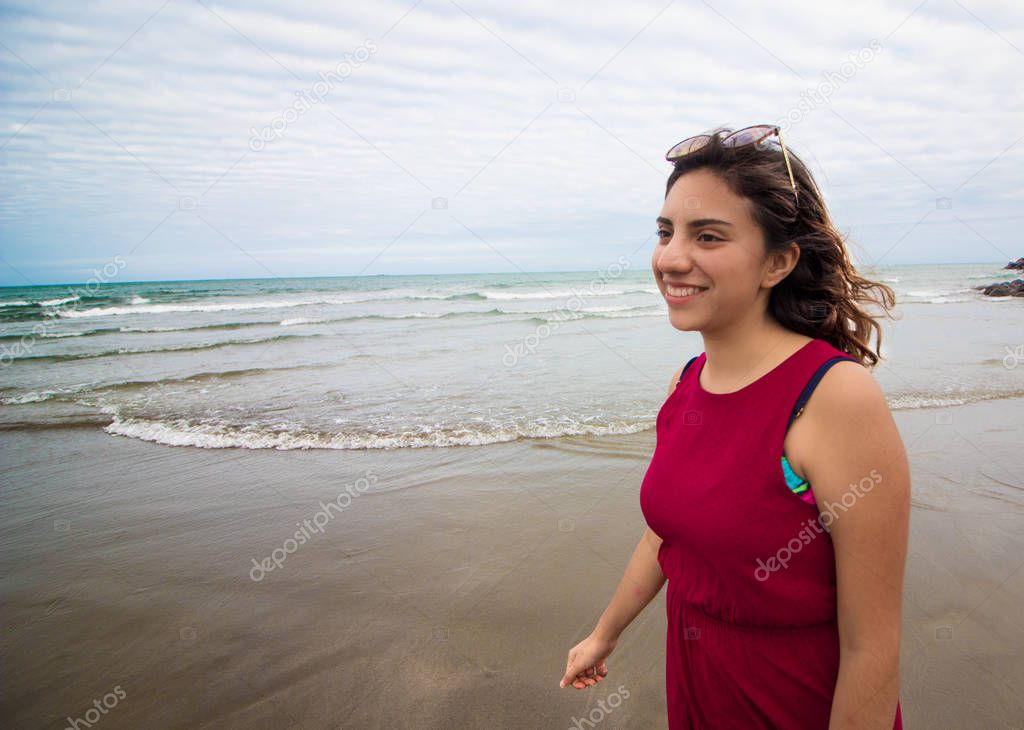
(446,590)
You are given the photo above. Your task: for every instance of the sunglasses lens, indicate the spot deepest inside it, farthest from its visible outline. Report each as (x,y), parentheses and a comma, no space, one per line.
(687,146)
(749,135)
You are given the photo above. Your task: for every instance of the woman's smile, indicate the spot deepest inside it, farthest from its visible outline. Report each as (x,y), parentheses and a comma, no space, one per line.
(682,294)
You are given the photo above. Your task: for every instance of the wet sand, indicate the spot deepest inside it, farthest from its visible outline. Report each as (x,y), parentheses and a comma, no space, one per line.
(444,592)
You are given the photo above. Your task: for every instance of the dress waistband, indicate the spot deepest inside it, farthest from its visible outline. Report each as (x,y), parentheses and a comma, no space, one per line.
(693,608)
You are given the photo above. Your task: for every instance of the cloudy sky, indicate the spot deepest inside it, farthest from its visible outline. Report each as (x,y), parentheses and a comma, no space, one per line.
(209,139)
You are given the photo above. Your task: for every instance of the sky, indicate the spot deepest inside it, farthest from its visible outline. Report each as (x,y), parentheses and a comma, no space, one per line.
(188,139)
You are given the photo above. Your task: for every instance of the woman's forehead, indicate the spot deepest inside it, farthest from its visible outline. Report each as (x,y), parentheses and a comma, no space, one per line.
(694,196)
(703,183)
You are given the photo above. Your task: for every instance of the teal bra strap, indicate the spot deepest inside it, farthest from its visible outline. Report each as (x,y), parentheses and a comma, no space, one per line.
(792,479)
(796,484)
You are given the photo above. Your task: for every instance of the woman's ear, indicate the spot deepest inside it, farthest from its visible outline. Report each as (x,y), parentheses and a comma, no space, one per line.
(781,262)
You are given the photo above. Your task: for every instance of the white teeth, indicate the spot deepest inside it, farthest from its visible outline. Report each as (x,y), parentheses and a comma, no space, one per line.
(682,291)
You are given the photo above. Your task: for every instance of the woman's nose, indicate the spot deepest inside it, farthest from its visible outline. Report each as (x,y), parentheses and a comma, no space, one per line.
(676,255)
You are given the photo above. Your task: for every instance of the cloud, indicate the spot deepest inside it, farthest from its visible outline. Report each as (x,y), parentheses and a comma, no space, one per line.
(128,129)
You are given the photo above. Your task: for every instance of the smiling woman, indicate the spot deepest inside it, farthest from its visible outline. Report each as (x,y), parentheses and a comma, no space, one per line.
(774,618)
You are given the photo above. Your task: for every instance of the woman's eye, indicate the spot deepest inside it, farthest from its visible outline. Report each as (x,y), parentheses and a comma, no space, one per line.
(705,237)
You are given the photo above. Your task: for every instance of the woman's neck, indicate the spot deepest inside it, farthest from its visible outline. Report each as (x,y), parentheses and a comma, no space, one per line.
(737,359)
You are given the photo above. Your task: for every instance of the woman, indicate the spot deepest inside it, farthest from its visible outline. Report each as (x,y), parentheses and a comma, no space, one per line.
(779,520)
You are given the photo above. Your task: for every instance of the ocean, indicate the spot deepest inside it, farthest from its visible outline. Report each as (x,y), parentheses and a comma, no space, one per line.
(386,362)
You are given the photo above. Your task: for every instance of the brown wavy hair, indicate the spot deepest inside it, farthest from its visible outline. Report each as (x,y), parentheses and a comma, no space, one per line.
(821,296)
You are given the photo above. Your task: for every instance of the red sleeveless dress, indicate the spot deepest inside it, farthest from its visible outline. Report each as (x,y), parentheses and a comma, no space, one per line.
(749,644)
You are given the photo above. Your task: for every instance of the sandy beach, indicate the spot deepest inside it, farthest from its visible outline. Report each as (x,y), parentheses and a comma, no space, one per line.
(444,591)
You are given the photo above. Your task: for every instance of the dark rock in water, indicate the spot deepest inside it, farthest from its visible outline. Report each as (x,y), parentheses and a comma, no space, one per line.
(1013,288)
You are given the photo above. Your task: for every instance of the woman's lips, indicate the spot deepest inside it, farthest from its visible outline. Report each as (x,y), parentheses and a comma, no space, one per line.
(682,294)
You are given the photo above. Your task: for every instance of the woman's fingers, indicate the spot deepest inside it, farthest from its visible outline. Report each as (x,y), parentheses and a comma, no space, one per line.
(591,676)
(587,678)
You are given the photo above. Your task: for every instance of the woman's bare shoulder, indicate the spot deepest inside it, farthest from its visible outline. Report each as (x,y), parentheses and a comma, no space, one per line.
(848,410)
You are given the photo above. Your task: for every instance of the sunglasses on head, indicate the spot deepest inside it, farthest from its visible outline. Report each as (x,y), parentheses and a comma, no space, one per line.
(741,138)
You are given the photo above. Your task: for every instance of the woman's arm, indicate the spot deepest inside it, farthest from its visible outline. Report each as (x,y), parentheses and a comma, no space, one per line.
(861,480)
(642,580)
(640,583)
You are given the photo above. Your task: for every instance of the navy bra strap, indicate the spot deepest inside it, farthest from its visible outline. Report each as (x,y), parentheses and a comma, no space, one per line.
(812,384)
(685,367)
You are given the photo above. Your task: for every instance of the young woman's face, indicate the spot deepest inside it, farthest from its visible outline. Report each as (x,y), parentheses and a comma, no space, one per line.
(707,239)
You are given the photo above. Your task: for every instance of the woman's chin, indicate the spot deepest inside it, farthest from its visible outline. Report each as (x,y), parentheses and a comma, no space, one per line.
(683,321)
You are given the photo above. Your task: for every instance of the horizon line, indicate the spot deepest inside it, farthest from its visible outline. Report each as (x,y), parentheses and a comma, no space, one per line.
(452,273)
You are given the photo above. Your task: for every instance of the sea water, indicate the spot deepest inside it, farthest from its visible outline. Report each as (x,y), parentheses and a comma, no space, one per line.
(432,360)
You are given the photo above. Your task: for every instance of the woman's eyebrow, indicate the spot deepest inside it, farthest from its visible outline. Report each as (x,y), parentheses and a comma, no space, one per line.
(696,223)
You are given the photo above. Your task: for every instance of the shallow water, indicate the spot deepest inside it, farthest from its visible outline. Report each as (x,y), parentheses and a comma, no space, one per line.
(412,361)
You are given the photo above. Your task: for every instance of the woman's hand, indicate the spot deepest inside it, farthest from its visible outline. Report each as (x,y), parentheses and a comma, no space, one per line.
(586,666)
